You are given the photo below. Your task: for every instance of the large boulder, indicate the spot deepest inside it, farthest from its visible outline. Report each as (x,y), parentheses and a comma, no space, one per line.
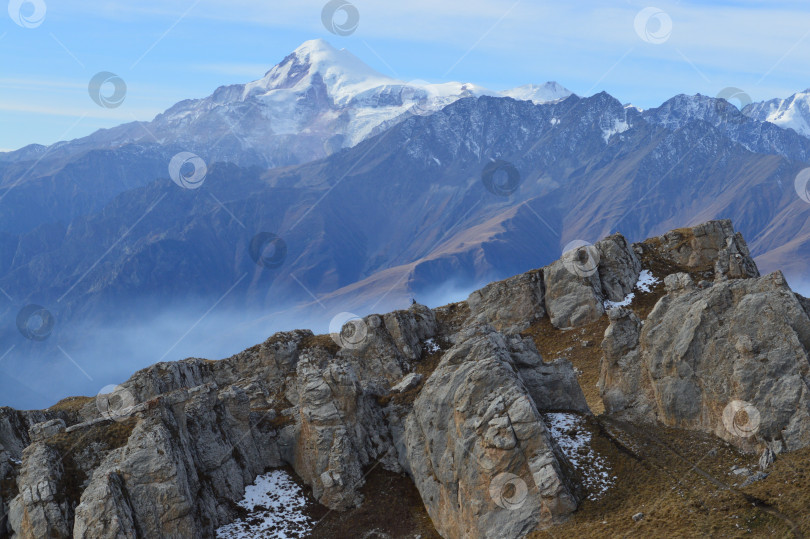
(577,285)
(478,450)
(573,296)
(511,305)
(619,267)
(338,430)
(711,246)
(410,329)
(731,359)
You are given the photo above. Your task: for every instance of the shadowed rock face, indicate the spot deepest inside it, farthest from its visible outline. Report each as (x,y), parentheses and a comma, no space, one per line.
(511,305)
(475,424)
(452,396)
(578,284)
(702,349)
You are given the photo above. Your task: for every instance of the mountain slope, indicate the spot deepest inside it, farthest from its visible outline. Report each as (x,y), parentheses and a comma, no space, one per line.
(791,113)
(403,214)
(316,101)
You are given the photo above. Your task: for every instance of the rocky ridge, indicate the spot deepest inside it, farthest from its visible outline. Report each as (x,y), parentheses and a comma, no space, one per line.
(454,397)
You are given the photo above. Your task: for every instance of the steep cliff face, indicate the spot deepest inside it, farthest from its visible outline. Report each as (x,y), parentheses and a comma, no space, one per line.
(476,427)
(458,398)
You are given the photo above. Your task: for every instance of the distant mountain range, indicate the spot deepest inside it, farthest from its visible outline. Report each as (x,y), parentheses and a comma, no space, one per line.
(370,191)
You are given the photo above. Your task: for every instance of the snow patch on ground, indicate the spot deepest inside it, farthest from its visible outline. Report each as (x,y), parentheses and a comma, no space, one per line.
(432,346)
(619,126)
(569,431)
(275,505)
(646,282)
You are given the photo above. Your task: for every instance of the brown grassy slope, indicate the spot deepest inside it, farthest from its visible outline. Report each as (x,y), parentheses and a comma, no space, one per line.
(680,480)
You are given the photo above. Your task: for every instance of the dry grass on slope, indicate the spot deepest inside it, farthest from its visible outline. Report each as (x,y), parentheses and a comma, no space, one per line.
(682,483)
(680,480)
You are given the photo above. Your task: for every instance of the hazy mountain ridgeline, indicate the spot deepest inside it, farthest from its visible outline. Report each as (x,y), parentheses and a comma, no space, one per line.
(436,198)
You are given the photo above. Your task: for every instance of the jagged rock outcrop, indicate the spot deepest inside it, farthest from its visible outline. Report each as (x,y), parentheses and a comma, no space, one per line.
(573,290)
(14,438)
(452,396)
(709,246)
(731,359)
(511,305)
(578,284)
(619,267)
(46,429)
(410,329)
(189,452)
(621,381)
(474,428)
(383,348)
(339,430)
(42,508)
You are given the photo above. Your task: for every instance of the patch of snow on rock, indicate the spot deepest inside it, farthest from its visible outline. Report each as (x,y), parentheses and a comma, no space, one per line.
(619,126)
(432,346)
(568,430)
(646,282)
(275,505)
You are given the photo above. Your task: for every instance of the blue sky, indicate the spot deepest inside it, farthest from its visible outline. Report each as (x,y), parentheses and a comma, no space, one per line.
(171,50)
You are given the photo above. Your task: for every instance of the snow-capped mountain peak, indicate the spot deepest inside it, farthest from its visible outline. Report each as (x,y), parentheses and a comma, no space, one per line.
(792,113)
(343,74)
(316,101)
(538,93)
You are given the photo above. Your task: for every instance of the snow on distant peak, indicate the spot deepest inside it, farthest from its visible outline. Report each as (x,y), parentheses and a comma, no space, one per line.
(793,112)
(344,74)
(538,93)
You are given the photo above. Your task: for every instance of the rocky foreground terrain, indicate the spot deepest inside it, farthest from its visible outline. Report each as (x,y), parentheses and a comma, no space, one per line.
(658,388)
